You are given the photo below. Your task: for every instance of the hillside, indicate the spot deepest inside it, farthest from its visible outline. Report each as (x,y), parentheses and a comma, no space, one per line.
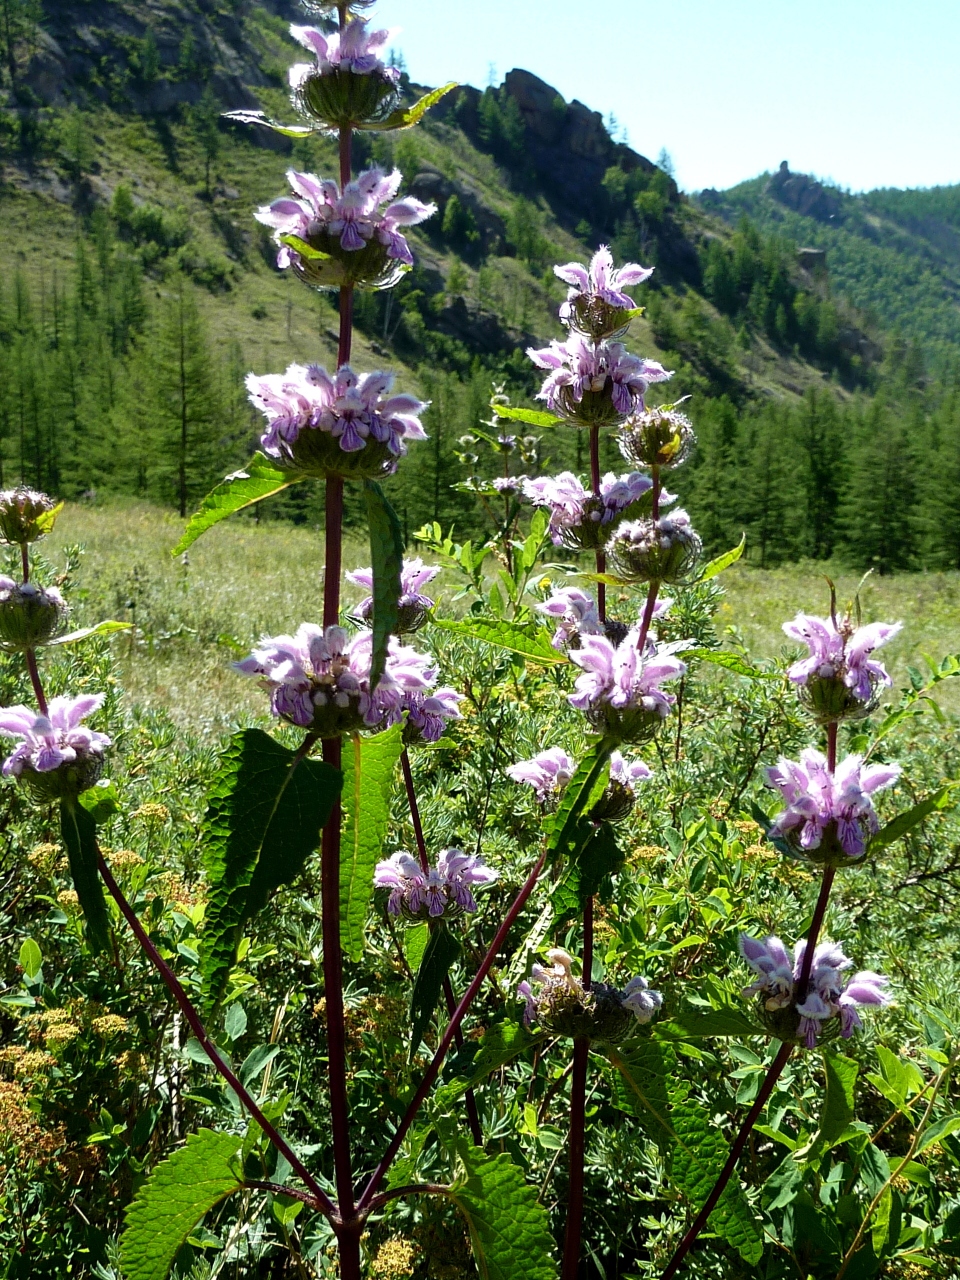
(130,243)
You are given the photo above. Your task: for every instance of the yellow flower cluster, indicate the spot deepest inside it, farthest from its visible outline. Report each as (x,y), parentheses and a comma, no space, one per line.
(394,1260)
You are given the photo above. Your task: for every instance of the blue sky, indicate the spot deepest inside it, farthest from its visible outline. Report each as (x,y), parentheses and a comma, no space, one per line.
(864,92)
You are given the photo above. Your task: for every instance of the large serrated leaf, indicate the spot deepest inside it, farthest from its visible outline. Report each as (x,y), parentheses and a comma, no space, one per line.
(508,1226)
(368,785)
(529,642)
(693,1023)
(640,1088)
(945,797)
(407,117)
(260,479)
(386,551)
(838,1109)
(472,1063)
(581,792)
(443,951)
(698,1154)
(79,832)
(174,1199)
(265,814)
(533,417)
(593,855)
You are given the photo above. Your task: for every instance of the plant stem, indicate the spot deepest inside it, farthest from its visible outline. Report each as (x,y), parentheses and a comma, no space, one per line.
(736,1150)
(654,587)
(595,487)
(31,659)
(320,1199)
(426,1084)
(25,561)
(472,1113)
(577,1141)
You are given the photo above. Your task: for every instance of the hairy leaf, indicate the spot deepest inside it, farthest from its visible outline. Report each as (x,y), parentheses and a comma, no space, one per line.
(101,629)
(731,661)
(838,1111)
(368,785)
(530,642)
(407,117)
(471,1064)
(174,1199)
(945,797)
(694,1023)
(386,551)
(101,801)
(242,489)
(534,417)
(508,1226)
(79,832)
(264,818)
(443,951)
(257,117)
(580,794)
(593,855)
(645,1067)
(725,561)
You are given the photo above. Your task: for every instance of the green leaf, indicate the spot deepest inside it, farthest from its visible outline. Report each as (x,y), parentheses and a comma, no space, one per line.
(783,1185)
(366,807)
(235,1020)
(256,1062)
(443,951)
(79,832)
(938,1131)
(472,1063)
(257,117)
(266,810)
(644,1068)
(415,941)
(533,417)
(407,117)
(731,661)
(838,1108)
(942,798)
(173,1200)
(508,1226)
(260,480)
(723,562)
(47,519)
(693,1022)
(593,856)
(30,958)
(581,793)
(304,249)
(698,1155)
(386,550)
(101,629)
(531,642)
(101,801)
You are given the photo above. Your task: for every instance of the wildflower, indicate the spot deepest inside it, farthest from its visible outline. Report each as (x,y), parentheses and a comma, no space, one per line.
(343,423)
(58,757)
(620,794)
(349,84)
(353,49)
(660,437)
(661,550)
(319,679)
(109,1024)
(829,817)
(348,237)
(25,515)
(509,486)
(596,302)
(441,891)
(839,679)
(594,384)
(805,1016)
(413,606)
(548,772)
(580,519)
(564,1007)
(427,714)
(30,615)
(619,688)
(575,613)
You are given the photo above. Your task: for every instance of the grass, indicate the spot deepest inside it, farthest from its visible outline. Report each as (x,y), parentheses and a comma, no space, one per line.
(194,615)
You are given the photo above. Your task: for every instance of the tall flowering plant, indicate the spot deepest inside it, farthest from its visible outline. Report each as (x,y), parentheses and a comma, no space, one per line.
(353,694)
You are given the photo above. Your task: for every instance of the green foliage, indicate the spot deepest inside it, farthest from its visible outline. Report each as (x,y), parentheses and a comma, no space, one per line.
(79,833)
(507,1224)
(442,952)
(266,808)
(259,480)
(386,555)
(174,1199)
(368,787)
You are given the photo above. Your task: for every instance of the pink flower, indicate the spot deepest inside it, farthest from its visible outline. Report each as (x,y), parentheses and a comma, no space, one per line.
(600,280)
(548,772)
(623,678)
(575,613)
(577,516)
(841,652)
(354,49)
(577,367)
(54,739)
(444,890)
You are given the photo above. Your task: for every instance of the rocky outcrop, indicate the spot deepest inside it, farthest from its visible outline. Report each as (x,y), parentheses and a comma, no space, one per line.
(803,194)
(433,187)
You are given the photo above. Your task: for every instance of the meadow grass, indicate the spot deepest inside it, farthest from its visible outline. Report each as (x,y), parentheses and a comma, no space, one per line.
(194,615)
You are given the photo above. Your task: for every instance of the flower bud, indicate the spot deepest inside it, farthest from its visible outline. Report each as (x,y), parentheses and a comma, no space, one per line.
(563,1007)
(25,515)
(662,550)
(66,781)
(30,615)
(657,438)
(344,99)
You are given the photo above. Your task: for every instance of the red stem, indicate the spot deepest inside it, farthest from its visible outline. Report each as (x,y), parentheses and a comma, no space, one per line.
(31,658)
(736,1150)
(320,1199)
(577,1139)
(25,561)
(654,587)
(595,487)
(426,1084)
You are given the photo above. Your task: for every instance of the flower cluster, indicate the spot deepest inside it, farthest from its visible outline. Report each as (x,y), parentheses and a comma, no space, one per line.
(619,688)
(661,437)
(349,83)
(665,549)
(576,614)
(596,305)
(353,49)
(58,756)
(333,238)
(550,771)
(25,515)
(413,606)
(319,679)
(30,615)
(444,890)
(829,817)
(594,384)
(343,423)
(563,1006)
(839,679)
(806,1016)
(579,519)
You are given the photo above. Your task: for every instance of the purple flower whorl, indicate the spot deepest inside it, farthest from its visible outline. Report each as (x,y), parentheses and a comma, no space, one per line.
(660,437)
(839,680)
(414,608)
(581,520)
(562,1006)
(441,892)
(594,384)
(619,688)
(596,305)
(58,757)
(662,550)
(30,615)
(349,84)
